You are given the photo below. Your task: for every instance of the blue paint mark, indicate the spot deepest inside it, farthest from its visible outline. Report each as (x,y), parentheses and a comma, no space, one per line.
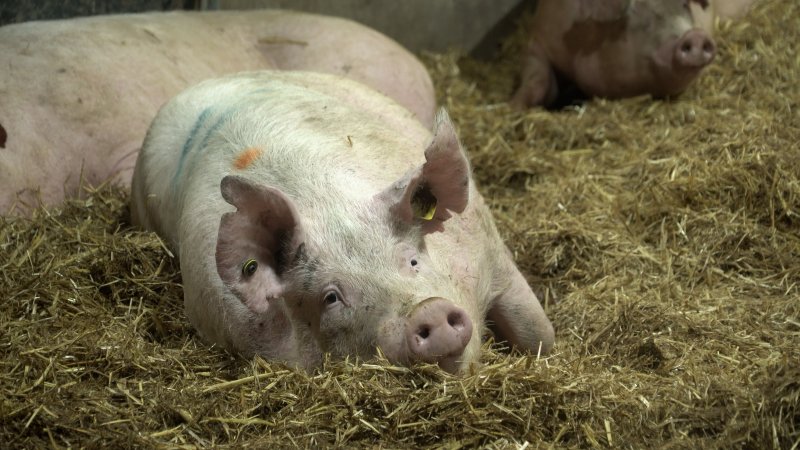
(213,128)
(202,120)
(190,143)
(221,118)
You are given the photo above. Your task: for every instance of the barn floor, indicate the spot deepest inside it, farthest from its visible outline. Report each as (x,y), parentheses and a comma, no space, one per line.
(663,236)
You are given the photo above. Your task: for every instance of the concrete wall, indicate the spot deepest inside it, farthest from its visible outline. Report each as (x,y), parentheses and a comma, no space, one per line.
(14,11)
(475,26)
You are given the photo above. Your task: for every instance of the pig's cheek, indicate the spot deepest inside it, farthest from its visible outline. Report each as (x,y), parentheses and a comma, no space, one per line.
(662,57)
(408,271)
(335,320)
(304,312)
(391,341)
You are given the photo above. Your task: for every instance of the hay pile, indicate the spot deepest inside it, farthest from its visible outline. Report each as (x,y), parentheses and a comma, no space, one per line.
(664,238)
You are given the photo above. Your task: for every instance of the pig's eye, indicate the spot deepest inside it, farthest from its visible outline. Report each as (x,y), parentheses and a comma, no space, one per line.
(249,267)
(414,263)
(331,298)
(410,260)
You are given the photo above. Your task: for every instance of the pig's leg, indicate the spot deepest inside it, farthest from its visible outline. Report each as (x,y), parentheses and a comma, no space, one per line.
(538,85)
(516,317)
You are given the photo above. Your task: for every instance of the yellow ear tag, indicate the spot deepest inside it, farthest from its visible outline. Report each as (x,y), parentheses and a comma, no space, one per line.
(426,211)
(249,267)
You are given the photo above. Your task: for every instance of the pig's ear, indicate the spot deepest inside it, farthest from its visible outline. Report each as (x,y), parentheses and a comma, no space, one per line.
(255,243)
(428,194)
(602,11)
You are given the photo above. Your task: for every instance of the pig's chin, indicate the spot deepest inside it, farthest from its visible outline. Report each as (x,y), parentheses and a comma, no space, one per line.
(671,79)
(674,82)
(452,364)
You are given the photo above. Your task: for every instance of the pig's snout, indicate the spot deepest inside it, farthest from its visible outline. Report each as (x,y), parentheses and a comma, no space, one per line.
(695,49)
(438,331)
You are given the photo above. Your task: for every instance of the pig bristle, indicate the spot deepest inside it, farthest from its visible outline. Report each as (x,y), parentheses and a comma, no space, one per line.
(661,236)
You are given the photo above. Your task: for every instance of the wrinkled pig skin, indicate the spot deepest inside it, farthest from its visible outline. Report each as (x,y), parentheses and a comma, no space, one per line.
(615,48)
(77,96)
(312,215)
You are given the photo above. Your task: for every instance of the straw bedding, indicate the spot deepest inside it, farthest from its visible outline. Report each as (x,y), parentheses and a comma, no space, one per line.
(663,237)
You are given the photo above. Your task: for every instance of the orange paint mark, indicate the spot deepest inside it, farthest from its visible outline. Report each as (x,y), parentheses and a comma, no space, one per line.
(247,157)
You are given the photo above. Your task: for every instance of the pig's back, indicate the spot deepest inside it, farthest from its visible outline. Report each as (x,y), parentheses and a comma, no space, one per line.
(304,133)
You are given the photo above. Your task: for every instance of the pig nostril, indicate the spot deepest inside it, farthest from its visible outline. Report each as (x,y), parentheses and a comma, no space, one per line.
(708,47)
(455,320)
(424,332)
(3,137)
(686,47)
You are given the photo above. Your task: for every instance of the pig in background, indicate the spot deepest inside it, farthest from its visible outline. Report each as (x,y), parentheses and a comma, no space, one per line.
(312,215)
(77,96)
(618,48)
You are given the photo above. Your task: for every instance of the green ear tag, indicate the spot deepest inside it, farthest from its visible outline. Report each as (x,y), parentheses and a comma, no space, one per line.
(425,210)
(249,267)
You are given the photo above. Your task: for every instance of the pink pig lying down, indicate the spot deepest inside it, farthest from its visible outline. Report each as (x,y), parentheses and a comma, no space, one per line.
(313,215)
(77,96)
(615,48)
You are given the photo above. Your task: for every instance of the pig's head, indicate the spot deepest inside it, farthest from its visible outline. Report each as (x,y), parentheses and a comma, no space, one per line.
(355,275)
(649,46)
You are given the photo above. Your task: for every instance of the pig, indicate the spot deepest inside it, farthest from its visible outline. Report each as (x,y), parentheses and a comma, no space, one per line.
(312,215)
(615,48)
(77,96)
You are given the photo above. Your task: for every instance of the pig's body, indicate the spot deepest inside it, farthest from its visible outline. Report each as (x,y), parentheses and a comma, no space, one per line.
(615,48)
(76,96)
(341,177)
